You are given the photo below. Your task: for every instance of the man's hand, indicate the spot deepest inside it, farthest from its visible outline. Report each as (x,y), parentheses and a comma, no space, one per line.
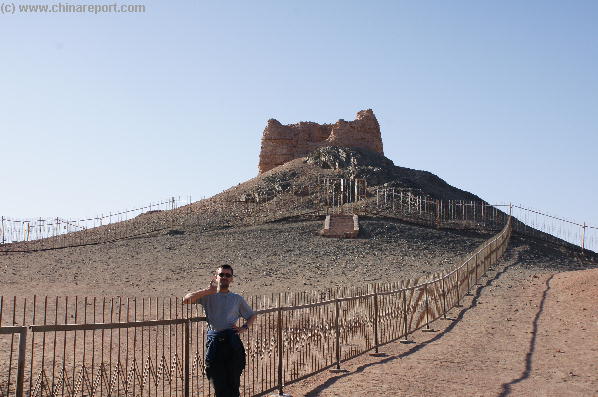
(213,288)
(188,298)
(194,296)
(245,326)
(241,329)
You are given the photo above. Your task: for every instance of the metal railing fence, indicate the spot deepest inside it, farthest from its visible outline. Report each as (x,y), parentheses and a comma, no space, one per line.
(30,230)
(100,347)
(544,226)
(155,347)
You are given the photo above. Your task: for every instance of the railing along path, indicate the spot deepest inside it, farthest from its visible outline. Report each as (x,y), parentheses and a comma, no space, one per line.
(155,347)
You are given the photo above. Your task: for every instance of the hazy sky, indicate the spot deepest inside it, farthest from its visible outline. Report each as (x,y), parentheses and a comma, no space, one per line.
(104,112)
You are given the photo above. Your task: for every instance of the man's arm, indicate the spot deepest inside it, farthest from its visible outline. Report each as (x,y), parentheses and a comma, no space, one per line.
(247,324)
(251,320)
(193,297)
(245,311)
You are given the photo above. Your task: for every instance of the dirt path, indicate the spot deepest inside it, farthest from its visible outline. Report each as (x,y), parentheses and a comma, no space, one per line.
(524,333)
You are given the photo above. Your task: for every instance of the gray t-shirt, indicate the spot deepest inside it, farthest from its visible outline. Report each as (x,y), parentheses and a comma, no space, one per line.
(223,309)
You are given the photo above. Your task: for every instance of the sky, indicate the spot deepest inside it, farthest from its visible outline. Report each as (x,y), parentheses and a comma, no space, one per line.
(102,112)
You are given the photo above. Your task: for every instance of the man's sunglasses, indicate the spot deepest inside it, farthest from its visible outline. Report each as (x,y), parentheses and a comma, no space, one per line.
(226,275)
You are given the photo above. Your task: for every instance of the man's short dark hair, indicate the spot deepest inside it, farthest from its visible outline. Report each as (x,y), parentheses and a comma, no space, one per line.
(227,267)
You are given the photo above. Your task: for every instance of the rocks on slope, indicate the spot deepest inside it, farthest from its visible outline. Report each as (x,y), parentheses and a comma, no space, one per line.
(378,170)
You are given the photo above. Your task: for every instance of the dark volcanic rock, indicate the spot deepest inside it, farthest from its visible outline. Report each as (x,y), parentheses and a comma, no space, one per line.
(378,170)
(336,157)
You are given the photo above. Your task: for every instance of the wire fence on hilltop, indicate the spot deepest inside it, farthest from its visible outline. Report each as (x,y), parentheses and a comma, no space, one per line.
(267,205)
(46,233)
(546,227)
(412,205)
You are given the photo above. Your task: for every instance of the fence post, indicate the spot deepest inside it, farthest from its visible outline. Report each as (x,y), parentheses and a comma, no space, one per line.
(3,230)
(405,328)
(280,380)
(493,257)
(477,264)
(171,212)
(376,340)
(487,260)
(427,329)
(458,289)
(338,333)
(583,236)
(496,255)
(187,364)
(21,362)
(443,299)
(469,276)
(56,231)
(481,214)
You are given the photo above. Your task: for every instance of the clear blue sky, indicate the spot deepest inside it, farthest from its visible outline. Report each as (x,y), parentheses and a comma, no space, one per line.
(105,112)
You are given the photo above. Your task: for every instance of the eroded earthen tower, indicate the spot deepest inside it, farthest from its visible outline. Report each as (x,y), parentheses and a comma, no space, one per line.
(282,143)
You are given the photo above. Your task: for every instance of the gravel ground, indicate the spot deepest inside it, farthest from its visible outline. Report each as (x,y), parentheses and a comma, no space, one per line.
(274,257)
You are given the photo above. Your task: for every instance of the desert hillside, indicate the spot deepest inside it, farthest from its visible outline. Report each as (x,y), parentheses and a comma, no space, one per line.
(269,227)
(268,230)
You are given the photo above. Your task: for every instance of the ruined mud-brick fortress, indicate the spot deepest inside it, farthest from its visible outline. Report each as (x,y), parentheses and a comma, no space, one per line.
(283,143)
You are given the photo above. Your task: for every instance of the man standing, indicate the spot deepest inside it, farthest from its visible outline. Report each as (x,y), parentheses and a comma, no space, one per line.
(225,354)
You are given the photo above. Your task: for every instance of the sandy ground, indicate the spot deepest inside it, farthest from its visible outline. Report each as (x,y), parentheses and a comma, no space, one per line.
(526,331)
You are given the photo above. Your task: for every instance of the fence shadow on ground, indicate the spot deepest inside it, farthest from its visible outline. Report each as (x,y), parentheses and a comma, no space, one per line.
(454,321)
(506,387)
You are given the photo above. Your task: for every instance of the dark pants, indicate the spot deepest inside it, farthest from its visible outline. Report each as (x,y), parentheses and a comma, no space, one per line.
(225,361)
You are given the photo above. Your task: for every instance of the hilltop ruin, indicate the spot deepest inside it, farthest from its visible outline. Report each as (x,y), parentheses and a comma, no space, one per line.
(283,143)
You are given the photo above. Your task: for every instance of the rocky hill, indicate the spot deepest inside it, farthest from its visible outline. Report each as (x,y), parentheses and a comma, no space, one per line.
(268,229)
